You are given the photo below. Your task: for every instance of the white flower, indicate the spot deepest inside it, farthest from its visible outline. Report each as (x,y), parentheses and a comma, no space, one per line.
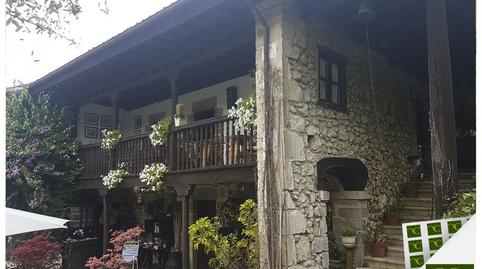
(110,139)
(114,177)
(153,175)
(244,113)
(160,131)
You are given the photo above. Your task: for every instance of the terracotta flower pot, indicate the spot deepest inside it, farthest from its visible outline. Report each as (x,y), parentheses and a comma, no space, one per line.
(410,192)
(378,250)
(392,219)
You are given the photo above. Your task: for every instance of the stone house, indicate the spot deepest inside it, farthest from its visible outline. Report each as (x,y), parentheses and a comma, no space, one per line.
(338,122)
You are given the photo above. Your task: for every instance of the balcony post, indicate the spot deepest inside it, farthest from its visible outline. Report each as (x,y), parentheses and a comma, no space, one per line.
(183,193)
(174,100)
(442,115)
(105,220)
(174,94)
(115,125)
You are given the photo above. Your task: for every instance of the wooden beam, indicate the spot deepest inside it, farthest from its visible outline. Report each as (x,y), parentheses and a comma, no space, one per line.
(186,59)
(442,116)
(242,174)
(159,23)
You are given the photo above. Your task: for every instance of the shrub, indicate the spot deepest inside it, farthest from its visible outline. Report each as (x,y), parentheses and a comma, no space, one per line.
(233,250)
(461,205)
(41,155)
(113,258)
(37,252)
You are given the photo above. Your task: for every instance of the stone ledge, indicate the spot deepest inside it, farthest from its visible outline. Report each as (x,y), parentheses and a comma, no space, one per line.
(349,195)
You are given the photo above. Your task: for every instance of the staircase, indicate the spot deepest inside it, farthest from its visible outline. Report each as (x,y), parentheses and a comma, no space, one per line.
(414,209)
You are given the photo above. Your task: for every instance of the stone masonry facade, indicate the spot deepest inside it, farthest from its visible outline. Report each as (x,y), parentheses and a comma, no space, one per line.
(306,131)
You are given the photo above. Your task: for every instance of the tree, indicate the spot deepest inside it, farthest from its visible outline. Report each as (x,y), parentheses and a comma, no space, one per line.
(45,17)
(41,154)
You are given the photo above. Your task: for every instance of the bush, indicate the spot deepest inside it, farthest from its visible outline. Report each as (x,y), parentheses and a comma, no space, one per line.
(37,252)
(461,205)
(233,250)
(113,258)
(41,156)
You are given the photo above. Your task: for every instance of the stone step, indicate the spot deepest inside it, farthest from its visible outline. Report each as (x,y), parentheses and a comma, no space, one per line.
(419,201)
(395,251)
(394,242)
(429,187)
(385,262)
(416,211)
(414,218)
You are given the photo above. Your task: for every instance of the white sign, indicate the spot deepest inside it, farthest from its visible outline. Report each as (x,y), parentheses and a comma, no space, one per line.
(422,239)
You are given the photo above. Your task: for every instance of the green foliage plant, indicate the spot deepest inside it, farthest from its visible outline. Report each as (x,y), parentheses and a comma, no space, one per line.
(461,205)
(233,250)
(41,155)
(160,132)
(348,231)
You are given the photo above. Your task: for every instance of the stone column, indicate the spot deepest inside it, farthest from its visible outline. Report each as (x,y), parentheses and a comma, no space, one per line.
(183,193)
(291,214)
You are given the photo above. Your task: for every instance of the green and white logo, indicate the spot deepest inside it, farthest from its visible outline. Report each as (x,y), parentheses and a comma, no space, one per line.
(422,239)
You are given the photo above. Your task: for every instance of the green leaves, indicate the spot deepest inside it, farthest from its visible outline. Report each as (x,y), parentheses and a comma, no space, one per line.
(41,154)
(463,204)
(233,249)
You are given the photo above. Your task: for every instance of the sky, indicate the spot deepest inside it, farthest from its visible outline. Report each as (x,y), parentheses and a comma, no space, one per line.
(30,56)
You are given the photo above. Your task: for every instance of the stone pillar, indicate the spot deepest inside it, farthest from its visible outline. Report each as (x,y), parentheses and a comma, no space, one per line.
(291,213)
(183,193)
(105,220)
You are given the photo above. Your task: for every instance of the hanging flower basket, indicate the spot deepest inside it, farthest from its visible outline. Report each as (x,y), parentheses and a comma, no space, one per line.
(154,175)
(114,177)
(160,132)
(110,139)
(245,113)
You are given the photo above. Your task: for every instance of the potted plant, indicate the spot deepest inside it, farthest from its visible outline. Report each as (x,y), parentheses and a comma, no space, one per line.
(348,236)
(377,246)
(409,190)
(392,216)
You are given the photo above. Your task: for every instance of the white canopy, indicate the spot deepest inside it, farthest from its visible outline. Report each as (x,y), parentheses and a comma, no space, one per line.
(18,221)
(460,248)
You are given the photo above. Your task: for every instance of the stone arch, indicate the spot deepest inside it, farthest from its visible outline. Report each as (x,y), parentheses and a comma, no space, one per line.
(341,174)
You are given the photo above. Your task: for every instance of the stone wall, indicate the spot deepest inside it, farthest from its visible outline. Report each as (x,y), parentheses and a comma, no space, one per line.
(305,132)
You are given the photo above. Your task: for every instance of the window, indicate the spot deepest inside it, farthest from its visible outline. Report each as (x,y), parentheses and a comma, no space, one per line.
(332,78)
(232,96)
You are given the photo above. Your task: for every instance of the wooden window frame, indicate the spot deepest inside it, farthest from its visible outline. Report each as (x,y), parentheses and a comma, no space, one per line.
(332,58)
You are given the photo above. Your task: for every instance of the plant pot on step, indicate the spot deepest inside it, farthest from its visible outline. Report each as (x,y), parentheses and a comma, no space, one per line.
(392,219)
(378,250)
(410,192)
(337,264)
(348,241)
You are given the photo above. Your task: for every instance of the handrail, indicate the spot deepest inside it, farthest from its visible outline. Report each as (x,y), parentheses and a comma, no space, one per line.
(200,123)
(208,144)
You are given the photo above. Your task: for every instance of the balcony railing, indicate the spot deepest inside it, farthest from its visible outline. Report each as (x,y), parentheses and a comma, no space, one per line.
(202,145)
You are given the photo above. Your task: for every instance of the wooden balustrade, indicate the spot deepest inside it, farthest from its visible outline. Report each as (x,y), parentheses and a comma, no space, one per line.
(211,144)
(95,161)
(202,145)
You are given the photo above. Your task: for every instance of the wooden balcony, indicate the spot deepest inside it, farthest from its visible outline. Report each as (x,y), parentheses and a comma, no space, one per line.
(201,146)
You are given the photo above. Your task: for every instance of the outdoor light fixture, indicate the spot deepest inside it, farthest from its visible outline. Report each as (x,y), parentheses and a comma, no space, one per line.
(365,13)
